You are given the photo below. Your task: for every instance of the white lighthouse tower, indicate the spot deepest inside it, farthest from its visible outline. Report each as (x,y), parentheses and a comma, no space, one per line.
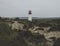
(29,15)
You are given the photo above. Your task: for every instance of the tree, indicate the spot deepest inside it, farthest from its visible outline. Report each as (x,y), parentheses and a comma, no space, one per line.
(17,19)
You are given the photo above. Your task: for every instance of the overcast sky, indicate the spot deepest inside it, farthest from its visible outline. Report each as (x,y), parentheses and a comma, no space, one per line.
(20,8)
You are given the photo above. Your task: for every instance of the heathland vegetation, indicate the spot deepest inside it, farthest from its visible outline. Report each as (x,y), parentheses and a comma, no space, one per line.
(9,37)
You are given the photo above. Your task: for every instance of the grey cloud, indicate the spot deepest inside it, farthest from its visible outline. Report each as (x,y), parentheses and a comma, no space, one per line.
(40,8)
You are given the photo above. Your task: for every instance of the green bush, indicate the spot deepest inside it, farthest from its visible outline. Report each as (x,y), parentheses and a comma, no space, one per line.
(6,33)
(10,37)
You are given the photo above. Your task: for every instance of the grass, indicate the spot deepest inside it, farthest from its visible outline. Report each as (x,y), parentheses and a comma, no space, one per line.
(10,37)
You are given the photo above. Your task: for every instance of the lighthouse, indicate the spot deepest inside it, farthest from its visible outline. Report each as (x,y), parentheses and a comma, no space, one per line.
(29,15)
